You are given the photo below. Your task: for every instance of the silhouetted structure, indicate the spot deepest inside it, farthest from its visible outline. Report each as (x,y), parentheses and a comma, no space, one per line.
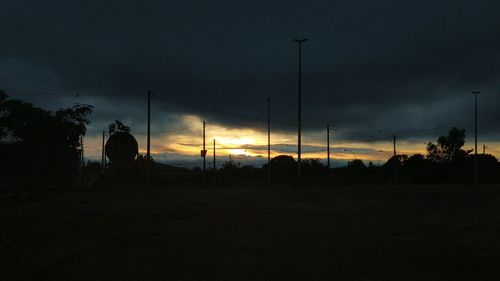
(121,146)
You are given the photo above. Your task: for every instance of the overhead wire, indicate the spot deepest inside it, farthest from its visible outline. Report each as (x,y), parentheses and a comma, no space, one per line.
(369,136)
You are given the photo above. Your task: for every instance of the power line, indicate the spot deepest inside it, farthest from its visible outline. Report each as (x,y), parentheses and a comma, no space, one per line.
(180,129)
(358,133)
(413,130)
(355,135)
(76,94)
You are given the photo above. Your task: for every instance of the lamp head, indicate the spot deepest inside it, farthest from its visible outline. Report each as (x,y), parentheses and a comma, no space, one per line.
(300,40)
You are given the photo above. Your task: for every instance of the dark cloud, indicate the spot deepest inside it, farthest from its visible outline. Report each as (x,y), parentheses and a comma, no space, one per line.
(369,65)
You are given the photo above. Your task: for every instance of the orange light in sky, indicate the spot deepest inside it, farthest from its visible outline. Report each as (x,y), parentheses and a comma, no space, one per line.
(253,142)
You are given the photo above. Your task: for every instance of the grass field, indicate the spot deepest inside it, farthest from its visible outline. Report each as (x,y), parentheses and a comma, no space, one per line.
(341,233)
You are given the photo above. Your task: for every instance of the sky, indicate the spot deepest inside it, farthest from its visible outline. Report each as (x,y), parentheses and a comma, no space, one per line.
(371,69)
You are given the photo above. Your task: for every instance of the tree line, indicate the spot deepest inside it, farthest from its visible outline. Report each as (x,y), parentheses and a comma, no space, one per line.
(39,144)
(445,161)
(45,146)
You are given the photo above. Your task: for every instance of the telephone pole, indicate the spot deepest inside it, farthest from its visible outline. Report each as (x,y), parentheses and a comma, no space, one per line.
(105,157)
(484,149)
(395,160)
(394,144)
(204,151)
(148,150)
(102,149)
(215,168)
(299,125)
(475,93)
(268,142)
(328,146)
(82,157)
(81,160)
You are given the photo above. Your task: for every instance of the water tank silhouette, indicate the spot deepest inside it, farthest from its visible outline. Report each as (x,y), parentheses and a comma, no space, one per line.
(121,147)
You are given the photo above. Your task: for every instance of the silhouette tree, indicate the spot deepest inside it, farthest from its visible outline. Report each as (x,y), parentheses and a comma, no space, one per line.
(415,160)
(313,166)
(118,127)
(488,167)
(3,99)
(448,148)
(486,160)
(22,121)
(356,164)
(283,166)
(397,161)
(230,165)
(49,141)
(434,154)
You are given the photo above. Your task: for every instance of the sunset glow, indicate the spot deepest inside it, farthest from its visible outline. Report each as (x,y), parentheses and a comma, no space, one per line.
(253,143)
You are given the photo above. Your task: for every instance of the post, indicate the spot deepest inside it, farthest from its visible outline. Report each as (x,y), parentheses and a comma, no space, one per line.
(476,180)
(268,142)
(82,157)
(394,144)
(148,149)
(328,146)
(102,150)
(299,140)
(204,153)
(105,160)
(81,160)
(215,170)
(299,122)
(395,160)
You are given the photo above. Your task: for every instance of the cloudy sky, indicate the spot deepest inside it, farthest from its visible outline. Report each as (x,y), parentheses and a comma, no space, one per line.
(371,69)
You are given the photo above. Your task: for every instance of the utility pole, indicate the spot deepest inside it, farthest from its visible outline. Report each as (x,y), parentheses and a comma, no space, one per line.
(105,160)
(475,93)
(215,168)
(268,142)
(204,151)
(328,146)
(299,125)
(148,150)
(102,150)
(484,149)
(83,156)
(395,160)
(81,160)
(394,144)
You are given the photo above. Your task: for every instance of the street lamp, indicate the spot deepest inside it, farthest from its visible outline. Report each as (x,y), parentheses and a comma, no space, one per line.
(475,93)
(299,125)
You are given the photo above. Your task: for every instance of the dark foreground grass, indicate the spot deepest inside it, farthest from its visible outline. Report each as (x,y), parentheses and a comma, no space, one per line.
(348,233)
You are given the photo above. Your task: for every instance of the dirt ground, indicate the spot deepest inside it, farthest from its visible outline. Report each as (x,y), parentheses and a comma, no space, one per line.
(338,233)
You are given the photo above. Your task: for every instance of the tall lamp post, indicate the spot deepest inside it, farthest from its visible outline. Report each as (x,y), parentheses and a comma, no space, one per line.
(268,142)
(299,125)
(475,93)
(328,146)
